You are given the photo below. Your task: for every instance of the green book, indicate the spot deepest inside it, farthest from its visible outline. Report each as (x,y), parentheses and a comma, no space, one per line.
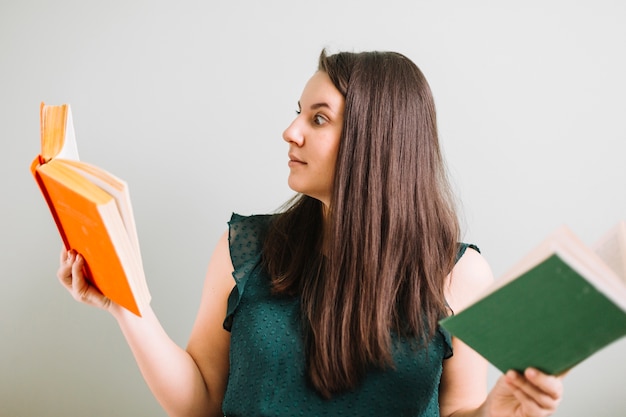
(561,304)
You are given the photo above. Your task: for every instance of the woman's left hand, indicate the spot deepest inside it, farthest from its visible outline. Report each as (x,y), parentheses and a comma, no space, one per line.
(532,394)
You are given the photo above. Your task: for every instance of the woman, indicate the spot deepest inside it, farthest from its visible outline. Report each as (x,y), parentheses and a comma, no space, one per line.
(335,301)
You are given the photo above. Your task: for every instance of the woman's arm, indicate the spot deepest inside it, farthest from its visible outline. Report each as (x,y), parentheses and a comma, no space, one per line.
(463,391)
(185,382)
(464,378)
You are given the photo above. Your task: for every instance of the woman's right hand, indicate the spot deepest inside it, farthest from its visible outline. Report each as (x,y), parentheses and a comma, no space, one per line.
(70,273)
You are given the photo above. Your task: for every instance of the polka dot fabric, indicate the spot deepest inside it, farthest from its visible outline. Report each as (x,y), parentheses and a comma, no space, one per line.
(267,359)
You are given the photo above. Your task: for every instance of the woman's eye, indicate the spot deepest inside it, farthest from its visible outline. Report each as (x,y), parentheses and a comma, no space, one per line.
(319,119)
(298,111)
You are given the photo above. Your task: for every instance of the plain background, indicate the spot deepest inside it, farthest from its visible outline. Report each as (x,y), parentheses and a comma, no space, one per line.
(187,101)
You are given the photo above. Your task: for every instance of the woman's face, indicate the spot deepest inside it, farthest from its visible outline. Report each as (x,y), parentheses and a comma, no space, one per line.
(313,138)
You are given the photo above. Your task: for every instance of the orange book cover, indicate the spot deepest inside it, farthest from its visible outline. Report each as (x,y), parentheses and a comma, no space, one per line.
(92,211)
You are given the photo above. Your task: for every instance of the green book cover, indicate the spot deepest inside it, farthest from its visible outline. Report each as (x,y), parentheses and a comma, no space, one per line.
(549,317)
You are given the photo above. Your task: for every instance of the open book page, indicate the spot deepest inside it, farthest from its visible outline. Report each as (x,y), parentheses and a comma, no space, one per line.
(537,255)
(127,254)
(69,149)
(611,248)
(58,139)
(593,268)
(564,243)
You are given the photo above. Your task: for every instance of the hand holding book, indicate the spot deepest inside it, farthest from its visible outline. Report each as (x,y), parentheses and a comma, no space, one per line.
(71,276)
(562,303)
(92,211)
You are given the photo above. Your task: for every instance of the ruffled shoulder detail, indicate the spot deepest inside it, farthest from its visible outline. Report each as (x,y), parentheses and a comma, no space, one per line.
(245,241)
(447,342)
(463,247)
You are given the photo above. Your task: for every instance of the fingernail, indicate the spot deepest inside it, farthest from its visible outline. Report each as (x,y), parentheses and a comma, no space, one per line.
(511,375)
(531,372)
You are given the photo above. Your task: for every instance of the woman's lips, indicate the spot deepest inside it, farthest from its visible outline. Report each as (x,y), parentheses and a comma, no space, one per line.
(294,161)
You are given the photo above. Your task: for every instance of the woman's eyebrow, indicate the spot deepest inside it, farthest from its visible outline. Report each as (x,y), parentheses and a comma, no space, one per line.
(316,106)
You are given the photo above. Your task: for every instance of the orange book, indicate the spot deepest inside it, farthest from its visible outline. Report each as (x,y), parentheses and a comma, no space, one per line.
(92,211)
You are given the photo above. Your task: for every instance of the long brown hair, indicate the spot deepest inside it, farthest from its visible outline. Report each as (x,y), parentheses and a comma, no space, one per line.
(375,263)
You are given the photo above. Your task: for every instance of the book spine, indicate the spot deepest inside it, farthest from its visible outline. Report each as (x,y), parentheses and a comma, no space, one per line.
(33,168)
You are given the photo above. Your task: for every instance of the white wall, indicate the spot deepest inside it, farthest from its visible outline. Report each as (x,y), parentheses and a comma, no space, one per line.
(187,102)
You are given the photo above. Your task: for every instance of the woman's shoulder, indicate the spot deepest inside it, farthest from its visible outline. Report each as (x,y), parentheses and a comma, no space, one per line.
(253,221)
(469,277)
(248,230)
(245,237)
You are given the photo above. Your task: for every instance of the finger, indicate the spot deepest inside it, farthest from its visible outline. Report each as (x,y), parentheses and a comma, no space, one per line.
(536,397)
(80,287)
(549,384)
(528,405)
(64,273)
(82,290)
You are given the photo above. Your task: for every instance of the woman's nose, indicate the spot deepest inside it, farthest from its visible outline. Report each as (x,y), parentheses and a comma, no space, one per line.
(293,133)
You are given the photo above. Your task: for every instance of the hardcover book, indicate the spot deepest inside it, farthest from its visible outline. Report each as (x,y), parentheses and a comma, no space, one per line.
(92,211)
(559,305)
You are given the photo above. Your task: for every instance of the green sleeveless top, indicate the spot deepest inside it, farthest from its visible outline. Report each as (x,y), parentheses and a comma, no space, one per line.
(267,374)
